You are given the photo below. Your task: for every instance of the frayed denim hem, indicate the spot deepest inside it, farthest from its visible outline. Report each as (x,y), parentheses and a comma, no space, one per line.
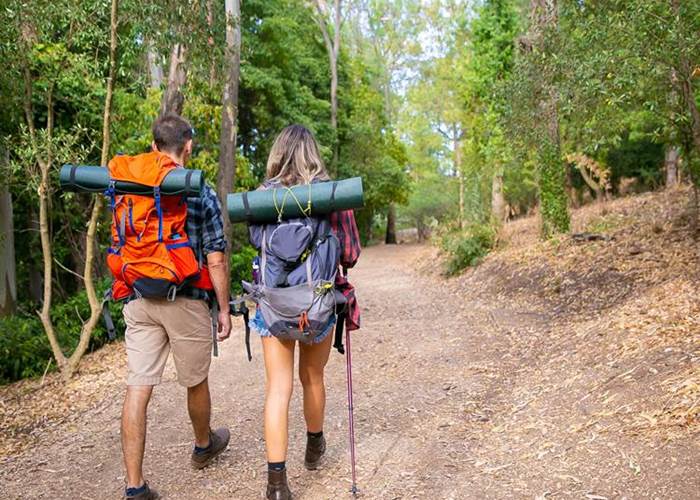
(256,323)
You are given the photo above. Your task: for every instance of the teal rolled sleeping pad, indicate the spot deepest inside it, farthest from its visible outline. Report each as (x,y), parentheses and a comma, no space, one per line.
(91,179)
(266,205)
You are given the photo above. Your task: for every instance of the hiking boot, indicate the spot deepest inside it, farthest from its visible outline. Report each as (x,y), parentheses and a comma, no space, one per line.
(315,448)
(218,441)
(146,494)
(277,487)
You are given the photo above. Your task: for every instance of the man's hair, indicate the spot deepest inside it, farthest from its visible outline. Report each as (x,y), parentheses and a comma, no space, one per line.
(171,132)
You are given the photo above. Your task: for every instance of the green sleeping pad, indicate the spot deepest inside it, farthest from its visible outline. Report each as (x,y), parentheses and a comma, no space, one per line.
(91,179)
(265,205)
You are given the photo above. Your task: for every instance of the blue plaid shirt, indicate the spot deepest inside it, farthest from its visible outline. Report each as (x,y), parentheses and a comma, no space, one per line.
(205,224)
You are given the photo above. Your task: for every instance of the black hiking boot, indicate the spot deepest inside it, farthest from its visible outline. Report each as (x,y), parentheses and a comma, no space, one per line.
(277,487)
(146,494)
(315,448)
(218,441)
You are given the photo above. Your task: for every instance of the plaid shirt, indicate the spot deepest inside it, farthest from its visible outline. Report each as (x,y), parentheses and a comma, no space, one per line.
(345,228)
(205,224)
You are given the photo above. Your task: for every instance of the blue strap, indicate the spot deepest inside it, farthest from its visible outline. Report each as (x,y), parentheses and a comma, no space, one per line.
(131,219)
(111,193)
(179,244)
(159,211)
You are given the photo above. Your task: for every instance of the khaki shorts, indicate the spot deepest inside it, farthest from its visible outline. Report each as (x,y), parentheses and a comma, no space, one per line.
(154,326)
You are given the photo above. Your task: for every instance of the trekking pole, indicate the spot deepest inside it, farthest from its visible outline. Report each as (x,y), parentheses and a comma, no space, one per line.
(351,418)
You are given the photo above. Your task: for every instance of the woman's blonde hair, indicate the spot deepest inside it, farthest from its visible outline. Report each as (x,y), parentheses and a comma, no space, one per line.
(295,158)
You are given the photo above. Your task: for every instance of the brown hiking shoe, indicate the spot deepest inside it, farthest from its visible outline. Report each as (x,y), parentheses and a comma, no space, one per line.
(218,441)
(315,448)
(147,494)
(277,487)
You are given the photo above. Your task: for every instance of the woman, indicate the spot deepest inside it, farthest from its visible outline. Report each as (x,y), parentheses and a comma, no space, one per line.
(295,160)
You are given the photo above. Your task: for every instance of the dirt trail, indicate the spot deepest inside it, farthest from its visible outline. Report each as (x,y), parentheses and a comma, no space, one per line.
(450,404)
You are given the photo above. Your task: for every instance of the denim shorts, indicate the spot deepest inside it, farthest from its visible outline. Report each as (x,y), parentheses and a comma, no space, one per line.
(258,324)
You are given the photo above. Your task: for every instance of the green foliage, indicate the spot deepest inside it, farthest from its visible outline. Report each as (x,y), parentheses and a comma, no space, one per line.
(467,248)
(640,157)
(431,201)
(24,348)
(371,149)
(553,199)
(241,267)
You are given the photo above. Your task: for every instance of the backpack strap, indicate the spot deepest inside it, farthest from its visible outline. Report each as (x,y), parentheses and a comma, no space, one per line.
(335,186)
(263,256)
(111,193)
(309,273)
(214,311)
(239,308)
(107,315)
(246,206)
(159,212)
(188,181)
(121,229)
(339,327)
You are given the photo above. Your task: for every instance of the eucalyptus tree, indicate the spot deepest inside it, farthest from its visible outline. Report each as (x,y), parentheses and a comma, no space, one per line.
(229,109)
(391,30)
(330,21)
(493,32)
(533,117)
(49,63)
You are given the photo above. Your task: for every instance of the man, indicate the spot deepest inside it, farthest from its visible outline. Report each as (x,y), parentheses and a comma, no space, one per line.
(183,325)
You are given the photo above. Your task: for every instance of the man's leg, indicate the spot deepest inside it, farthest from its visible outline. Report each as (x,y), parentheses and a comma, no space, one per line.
(189,328)
(146,354)
(134,432)
(199,407)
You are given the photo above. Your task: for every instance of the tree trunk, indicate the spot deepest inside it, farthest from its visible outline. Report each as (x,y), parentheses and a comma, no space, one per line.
(552,175)
(689,98)
(333,48)
(45,163)
(591,183)
(671,165)
(457,159)
(498,201)
(45,311)
(391,225)
(8,277)
(334,85)
(210,42)
(686,73)
(173,100)
(155,69)
(95,303)
(229,111)
(35,279)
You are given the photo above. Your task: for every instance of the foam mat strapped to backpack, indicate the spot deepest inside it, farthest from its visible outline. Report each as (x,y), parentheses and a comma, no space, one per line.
(93,179)
(287,203)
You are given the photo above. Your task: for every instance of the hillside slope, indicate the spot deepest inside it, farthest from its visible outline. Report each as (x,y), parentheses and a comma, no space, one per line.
(622,312)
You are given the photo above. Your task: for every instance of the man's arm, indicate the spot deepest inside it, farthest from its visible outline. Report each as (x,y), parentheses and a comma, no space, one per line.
(214,247)
(218,272)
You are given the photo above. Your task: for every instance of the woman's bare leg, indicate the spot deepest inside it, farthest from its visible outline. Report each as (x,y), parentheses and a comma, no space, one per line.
(312,363)
(279,372)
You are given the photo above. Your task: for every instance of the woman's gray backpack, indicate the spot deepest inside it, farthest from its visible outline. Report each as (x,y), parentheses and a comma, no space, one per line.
(295,288)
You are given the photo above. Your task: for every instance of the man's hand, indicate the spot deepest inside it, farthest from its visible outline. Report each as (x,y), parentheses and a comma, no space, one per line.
(224,328)
(218,271)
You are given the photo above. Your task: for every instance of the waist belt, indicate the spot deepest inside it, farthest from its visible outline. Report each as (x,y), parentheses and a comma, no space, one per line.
(196,293)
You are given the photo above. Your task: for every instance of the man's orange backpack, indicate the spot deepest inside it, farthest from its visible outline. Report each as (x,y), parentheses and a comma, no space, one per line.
(151,255)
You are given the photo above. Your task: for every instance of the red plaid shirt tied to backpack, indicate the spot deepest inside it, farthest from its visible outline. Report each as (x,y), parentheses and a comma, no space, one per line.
(344,226)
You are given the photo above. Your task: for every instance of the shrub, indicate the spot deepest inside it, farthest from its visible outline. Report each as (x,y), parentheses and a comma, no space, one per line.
(241,267)
(24,347)
(467,248)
